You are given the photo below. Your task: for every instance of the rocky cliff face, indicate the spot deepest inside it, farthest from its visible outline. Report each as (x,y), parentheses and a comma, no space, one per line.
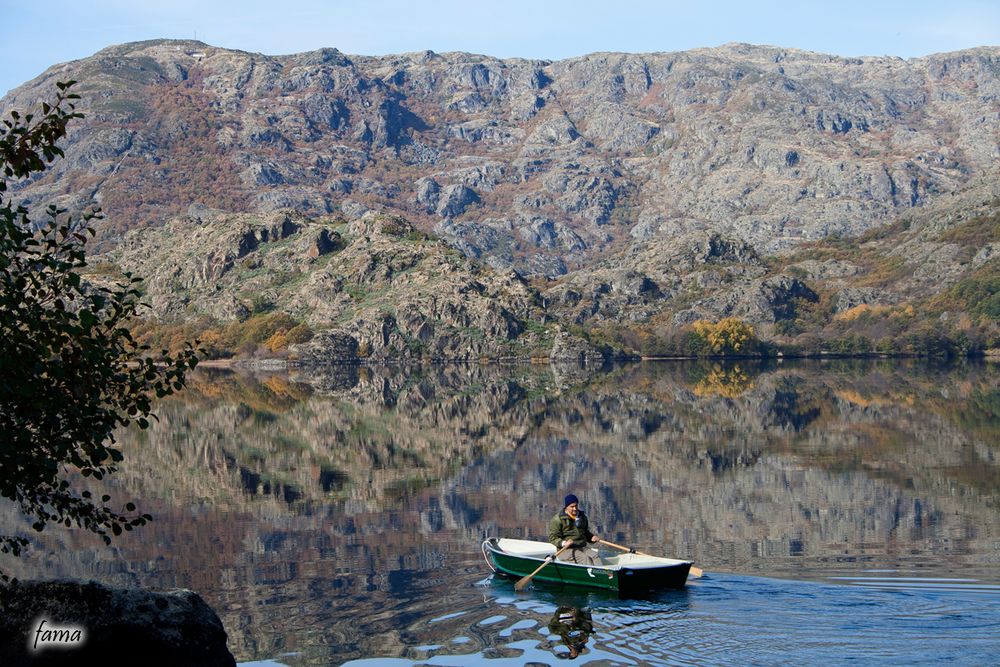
(536,165)
(656,189)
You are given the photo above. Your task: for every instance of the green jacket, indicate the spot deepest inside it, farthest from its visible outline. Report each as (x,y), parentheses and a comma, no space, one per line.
(564,528)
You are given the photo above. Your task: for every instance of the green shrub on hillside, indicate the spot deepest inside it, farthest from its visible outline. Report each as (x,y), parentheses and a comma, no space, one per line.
(978,294)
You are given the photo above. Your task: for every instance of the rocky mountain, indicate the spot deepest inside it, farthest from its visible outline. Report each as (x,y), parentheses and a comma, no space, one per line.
(654,189)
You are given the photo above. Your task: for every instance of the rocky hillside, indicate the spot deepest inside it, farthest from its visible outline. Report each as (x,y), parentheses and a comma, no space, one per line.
(933,270)
(650,189)
(375,288)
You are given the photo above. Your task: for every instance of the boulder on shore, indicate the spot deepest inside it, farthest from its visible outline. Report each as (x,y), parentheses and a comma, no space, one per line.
(80,623)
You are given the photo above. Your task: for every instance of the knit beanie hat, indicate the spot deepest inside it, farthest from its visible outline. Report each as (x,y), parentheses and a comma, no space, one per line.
(569,500)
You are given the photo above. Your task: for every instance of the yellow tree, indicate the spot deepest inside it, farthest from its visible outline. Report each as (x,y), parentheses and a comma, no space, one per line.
(727,336)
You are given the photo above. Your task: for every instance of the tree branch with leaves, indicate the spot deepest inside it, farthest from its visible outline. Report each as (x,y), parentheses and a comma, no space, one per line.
(72,374)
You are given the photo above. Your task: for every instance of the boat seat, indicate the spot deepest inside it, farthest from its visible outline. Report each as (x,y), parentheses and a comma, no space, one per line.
(528,548)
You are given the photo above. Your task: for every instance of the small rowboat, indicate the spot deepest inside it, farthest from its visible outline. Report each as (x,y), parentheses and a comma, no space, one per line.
(624,573)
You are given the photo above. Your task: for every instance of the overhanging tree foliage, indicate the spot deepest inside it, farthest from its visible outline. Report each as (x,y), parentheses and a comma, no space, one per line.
(70,371)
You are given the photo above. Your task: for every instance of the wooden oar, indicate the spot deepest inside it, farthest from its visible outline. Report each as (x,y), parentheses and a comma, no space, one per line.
(694,571)
(524,581)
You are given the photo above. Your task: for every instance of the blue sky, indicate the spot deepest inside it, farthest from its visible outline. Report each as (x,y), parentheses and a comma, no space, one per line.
(34,36)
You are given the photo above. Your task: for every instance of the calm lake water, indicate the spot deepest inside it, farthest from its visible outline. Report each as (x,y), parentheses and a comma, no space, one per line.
(845,512)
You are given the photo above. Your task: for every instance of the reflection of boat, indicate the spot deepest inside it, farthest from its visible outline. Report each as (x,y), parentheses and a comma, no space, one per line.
(624,573)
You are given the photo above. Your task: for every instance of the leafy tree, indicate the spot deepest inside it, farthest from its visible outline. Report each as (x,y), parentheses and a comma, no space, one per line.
(71,372)
(727,336)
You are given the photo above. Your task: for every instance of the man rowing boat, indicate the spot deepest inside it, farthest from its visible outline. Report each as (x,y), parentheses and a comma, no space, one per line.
(570,528)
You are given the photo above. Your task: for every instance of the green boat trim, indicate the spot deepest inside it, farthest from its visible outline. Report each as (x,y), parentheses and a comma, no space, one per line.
(624,573)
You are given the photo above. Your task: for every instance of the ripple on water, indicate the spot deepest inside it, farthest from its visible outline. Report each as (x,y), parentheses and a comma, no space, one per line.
(725,620)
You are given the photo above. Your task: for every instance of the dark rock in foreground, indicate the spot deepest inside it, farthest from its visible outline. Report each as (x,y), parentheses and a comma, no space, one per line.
(77,623)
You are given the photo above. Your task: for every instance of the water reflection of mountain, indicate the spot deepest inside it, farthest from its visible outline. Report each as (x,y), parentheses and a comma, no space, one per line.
(362,438)
(292,501)
(368,437)
(803,461)
(801,457)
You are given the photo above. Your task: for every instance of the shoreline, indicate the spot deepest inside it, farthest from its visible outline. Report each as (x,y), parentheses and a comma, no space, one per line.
(277,364)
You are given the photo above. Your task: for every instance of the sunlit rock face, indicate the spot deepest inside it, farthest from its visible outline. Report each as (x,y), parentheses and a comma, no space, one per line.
(374,289)
(561,161)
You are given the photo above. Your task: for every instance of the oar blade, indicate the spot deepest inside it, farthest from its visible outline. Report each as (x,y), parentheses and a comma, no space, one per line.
(522,582)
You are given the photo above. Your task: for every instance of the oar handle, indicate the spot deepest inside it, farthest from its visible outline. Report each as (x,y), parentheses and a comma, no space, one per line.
(694,571)
(523,581)
(618,546)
